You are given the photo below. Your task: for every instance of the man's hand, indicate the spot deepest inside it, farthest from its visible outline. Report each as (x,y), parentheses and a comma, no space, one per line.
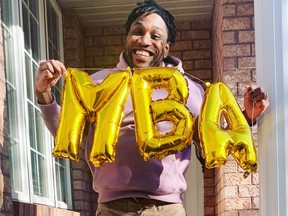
(255,103)
(49,72)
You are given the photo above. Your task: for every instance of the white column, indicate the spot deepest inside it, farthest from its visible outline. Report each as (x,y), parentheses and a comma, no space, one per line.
(271,31)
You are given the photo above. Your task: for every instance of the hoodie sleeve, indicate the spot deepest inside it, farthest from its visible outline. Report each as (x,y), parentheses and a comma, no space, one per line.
(50,114)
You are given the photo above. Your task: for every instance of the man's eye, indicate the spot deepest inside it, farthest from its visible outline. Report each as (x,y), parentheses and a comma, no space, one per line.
(155,36)
(137,32)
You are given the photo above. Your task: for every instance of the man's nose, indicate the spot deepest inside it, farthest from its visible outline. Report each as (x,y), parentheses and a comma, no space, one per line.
(145,40)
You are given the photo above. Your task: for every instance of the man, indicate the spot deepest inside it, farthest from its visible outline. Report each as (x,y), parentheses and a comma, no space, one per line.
(130,185)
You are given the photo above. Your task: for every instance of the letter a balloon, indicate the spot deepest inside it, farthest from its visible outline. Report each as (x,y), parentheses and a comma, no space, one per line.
(236,138)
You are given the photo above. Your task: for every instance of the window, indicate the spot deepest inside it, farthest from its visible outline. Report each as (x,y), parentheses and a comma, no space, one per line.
(32,31)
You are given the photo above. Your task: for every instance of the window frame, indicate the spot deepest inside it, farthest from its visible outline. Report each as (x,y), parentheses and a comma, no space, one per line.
(17,51)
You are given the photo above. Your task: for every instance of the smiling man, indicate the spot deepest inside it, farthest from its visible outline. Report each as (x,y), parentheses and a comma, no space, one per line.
(147,41)
(130,185)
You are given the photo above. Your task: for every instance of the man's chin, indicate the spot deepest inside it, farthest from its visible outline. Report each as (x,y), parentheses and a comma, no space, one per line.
(141,65)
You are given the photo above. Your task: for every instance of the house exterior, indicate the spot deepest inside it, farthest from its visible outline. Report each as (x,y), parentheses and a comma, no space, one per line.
(32,182)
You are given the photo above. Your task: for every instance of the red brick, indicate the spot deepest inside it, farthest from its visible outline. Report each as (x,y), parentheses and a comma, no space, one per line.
(245,9)
(182,45)
(229,10)
(202,74)
(203,24)
(236,179)
(194,35)
(202,44)
(209,191)
(88,42)
(230,166)
(183,26)
(241,23)
(229,37)
(89,62)
(114,30)
(106,61)
(236,50)
(71,34)
(196,54)
(255,202)
(111,40)
(202,64)
(209,210)
(246,62)
(112,50)
(249,191)
(238,203)
(231,191)
(246,36)
(95,31)
(208,182)
(249,213)
(188,65)
(255,178)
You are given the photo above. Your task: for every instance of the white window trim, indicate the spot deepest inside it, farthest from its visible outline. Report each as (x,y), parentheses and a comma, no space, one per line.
(271,31)
(18,46)
(27,195)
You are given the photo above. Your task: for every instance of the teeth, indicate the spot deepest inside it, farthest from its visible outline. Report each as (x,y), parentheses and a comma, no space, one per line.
(142,52)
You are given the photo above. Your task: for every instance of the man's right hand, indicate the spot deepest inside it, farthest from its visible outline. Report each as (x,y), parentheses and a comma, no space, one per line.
(49,72)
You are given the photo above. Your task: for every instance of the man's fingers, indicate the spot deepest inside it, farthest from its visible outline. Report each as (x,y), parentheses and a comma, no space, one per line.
(256,94)
(52,67)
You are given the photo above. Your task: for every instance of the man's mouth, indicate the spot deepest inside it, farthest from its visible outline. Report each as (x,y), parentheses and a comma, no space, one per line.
(143,53)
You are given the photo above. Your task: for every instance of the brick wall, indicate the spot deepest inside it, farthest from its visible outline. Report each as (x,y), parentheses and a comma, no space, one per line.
(73,39)
(234,64)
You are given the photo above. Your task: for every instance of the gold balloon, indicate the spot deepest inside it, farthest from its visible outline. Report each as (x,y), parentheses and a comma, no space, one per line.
(103,104)
(218,142)
(72,122)
(148,113)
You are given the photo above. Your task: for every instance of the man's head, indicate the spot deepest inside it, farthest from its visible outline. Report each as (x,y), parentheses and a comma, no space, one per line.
(150,33)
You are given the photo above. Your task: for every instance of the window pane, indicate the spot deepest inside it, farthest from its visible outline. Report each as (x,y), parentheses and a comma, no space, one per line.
(32,132)
(29,83)
(6,17)
(25,18)
(38,175)
(35,39)
(31,29)
(40,132)
(35,70)
(33,5)
(61,180)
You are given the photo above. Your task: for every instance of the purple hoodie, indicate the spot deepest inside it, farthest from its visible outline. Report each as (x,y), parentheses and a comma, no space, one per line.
(129,175)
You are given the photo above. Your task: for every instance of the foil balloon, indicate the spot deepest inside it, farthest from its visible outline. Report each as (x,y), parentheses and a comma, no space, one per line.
(236,138)
(72,122)
(102,104)
(148,113)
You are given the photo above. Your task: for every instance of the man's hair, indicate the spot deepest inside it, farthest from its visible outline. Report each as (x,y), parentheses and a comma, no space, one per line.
(148,7)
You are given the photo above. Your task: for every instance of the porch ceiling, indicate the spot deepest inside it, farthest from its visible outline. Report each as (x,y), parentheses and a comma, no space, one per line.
(114,12)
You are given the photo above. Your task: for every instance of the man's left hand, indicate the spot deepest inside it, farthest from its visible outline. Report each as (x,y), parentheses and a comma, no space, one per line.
(255,103)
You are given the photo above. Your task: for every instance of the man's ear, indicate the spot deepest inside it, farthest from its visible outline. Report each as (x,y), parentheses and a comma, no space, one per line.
(166,49)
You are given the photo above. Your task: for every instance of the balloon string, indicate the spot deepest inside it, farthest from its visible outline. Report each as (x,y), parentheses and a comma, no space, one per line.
(207,84)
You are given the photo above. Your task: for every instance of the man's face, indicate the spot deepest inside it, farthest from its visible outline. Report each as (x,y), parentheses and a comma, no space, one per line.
(146,43)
